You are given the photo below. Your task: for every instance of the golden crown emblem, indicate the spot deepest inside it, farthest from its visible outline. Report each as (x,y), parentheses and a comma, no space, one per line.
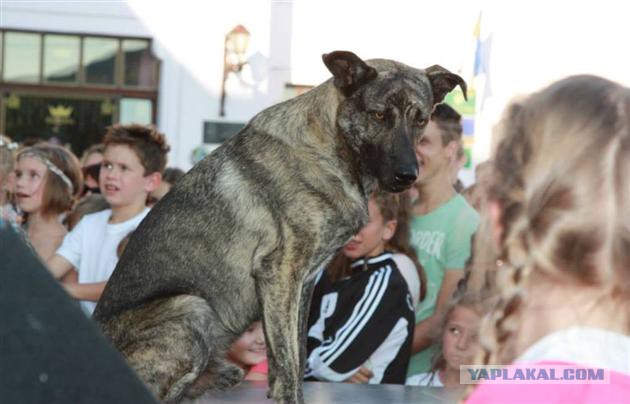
(59,115)
(60,111)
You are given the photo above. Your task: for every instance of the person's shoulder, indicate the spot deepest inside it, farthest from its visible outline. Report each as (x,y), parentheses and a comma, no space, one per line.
(464,212)
(102,215)
(404,268)
(461,204)
(134,220)
(142,214)
(409,273)
(96,218)
(427,379)
(404,263)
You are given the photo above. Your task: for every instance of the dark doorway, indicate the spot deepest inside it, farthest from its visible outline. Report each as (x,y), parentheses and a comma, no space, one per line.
(77,122)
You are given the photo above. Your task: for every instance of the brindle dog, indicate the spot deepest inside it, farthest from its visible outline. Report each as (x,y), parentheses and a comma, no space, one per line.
(242,235)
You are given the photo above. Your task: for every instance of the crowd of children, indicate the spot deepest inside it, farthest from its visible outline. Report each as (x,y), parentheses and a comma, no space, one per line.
(529,265)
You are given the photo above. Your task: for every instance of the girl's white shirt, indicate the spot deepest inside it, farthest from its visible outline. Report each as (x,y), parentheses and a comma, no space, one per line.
(408,270)
(425,379)
(585,346)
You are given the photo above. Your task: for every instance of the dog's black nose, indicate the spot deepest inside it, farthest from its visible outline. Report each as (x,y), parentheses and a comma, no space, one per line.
(405,177)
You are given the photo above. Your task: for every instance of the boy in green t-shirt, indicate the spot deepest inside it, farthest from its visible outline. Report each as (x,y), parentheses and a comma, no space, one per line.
(441,229)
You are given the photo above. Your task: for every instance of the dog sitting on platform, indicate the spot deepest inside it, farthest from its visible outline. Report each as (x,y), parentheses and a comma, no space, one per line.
(242,235)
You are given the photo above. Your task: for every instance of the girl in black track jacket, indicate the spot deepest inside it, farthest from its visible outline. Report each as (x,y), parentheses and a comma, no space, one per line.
(361,319)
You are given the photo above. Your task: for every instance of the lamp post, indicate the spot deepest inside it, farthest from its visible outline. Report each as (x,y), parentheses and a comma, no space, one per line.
(236,42)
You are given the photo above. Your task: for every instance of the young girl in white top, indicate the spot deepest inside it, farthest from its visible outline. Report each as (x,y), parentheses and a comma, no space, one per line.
(48,179)
(458,340)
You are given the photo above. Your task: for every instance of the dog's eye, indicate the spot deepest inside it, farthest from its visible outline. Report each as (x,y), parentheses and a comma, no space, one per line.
(421,122)
(378,115)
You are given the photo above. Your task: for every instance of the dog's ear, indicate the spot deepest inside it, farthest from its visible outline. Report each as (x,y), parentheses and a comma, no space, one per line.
(349,71)
(443,81)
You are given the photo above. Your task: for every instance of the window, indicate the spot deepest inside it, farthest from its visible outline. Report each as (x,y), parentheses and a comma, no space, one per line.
(99,60)
(136,110)
(139,64)
(22,57)
(61,58)
(55,58)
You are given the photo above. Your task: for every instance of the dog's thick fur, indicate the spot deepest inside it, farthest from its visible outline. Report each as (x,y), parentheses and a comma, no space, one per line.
(242,235)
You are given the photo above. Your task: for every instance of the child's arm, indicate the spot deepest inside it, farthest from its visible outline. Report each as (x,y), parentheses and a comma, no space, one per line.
(85,291)
(70,277)
(59,266)
(68,254)
(362,376)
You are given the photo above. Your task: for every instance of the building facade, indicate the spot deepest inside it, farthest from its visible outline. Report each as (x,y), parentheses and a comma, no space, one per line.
(69,70)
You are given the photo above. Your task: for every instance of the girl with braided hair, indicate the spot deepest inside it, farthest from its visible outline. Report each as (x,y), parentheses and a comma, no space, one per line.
(559,210)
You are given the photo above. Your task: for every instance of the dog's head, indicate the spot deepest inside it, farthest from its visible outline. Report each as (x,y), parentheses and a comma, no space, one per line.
(384,109)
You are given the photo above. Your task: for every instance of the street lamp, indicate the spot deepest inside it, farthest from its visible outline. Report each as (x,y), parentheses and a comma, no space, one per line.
(236,42)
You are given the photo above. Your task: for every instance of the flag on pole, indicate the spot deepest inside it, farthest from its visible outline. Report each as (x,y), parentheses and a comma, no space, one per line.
(482,63)
(476,76)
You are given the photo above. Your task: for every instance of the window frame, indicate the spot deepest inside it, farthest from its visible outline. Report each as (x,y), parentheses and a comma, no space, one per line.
(119,79)
(3,58)
(117,61)
(43,80)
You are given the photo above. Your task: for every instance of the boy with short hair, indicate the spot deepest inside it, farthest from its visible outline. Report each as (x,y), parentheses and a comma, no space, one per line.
(133,161)
(441,229)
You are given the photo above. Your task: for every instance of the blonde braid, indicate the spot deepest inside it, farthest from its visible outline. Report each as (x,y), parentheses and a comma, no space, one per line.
(618,234)
(513,264)
(501,321)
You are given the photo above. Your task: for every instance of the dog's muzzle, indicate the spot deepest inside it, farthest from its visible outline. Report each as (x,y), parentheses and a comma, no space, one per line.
(403,180)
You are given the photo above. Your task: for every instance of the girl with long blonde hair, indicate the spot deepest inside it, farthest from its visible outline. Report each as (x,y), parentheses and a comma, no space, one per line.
(558,204)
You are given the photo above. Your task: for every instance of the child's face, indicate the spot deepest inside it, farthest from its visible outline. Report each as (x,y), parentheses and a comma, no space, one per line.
(250,348)
(432,155)
(459,341)
(30,178)
(122,180)
(370,241)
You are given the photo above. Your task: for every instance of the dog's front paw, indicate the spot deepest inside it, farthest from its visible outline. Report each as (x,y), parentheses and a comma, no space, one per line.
(228,376)
(285,395)
(290,399)
(274,388)
(203,383)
